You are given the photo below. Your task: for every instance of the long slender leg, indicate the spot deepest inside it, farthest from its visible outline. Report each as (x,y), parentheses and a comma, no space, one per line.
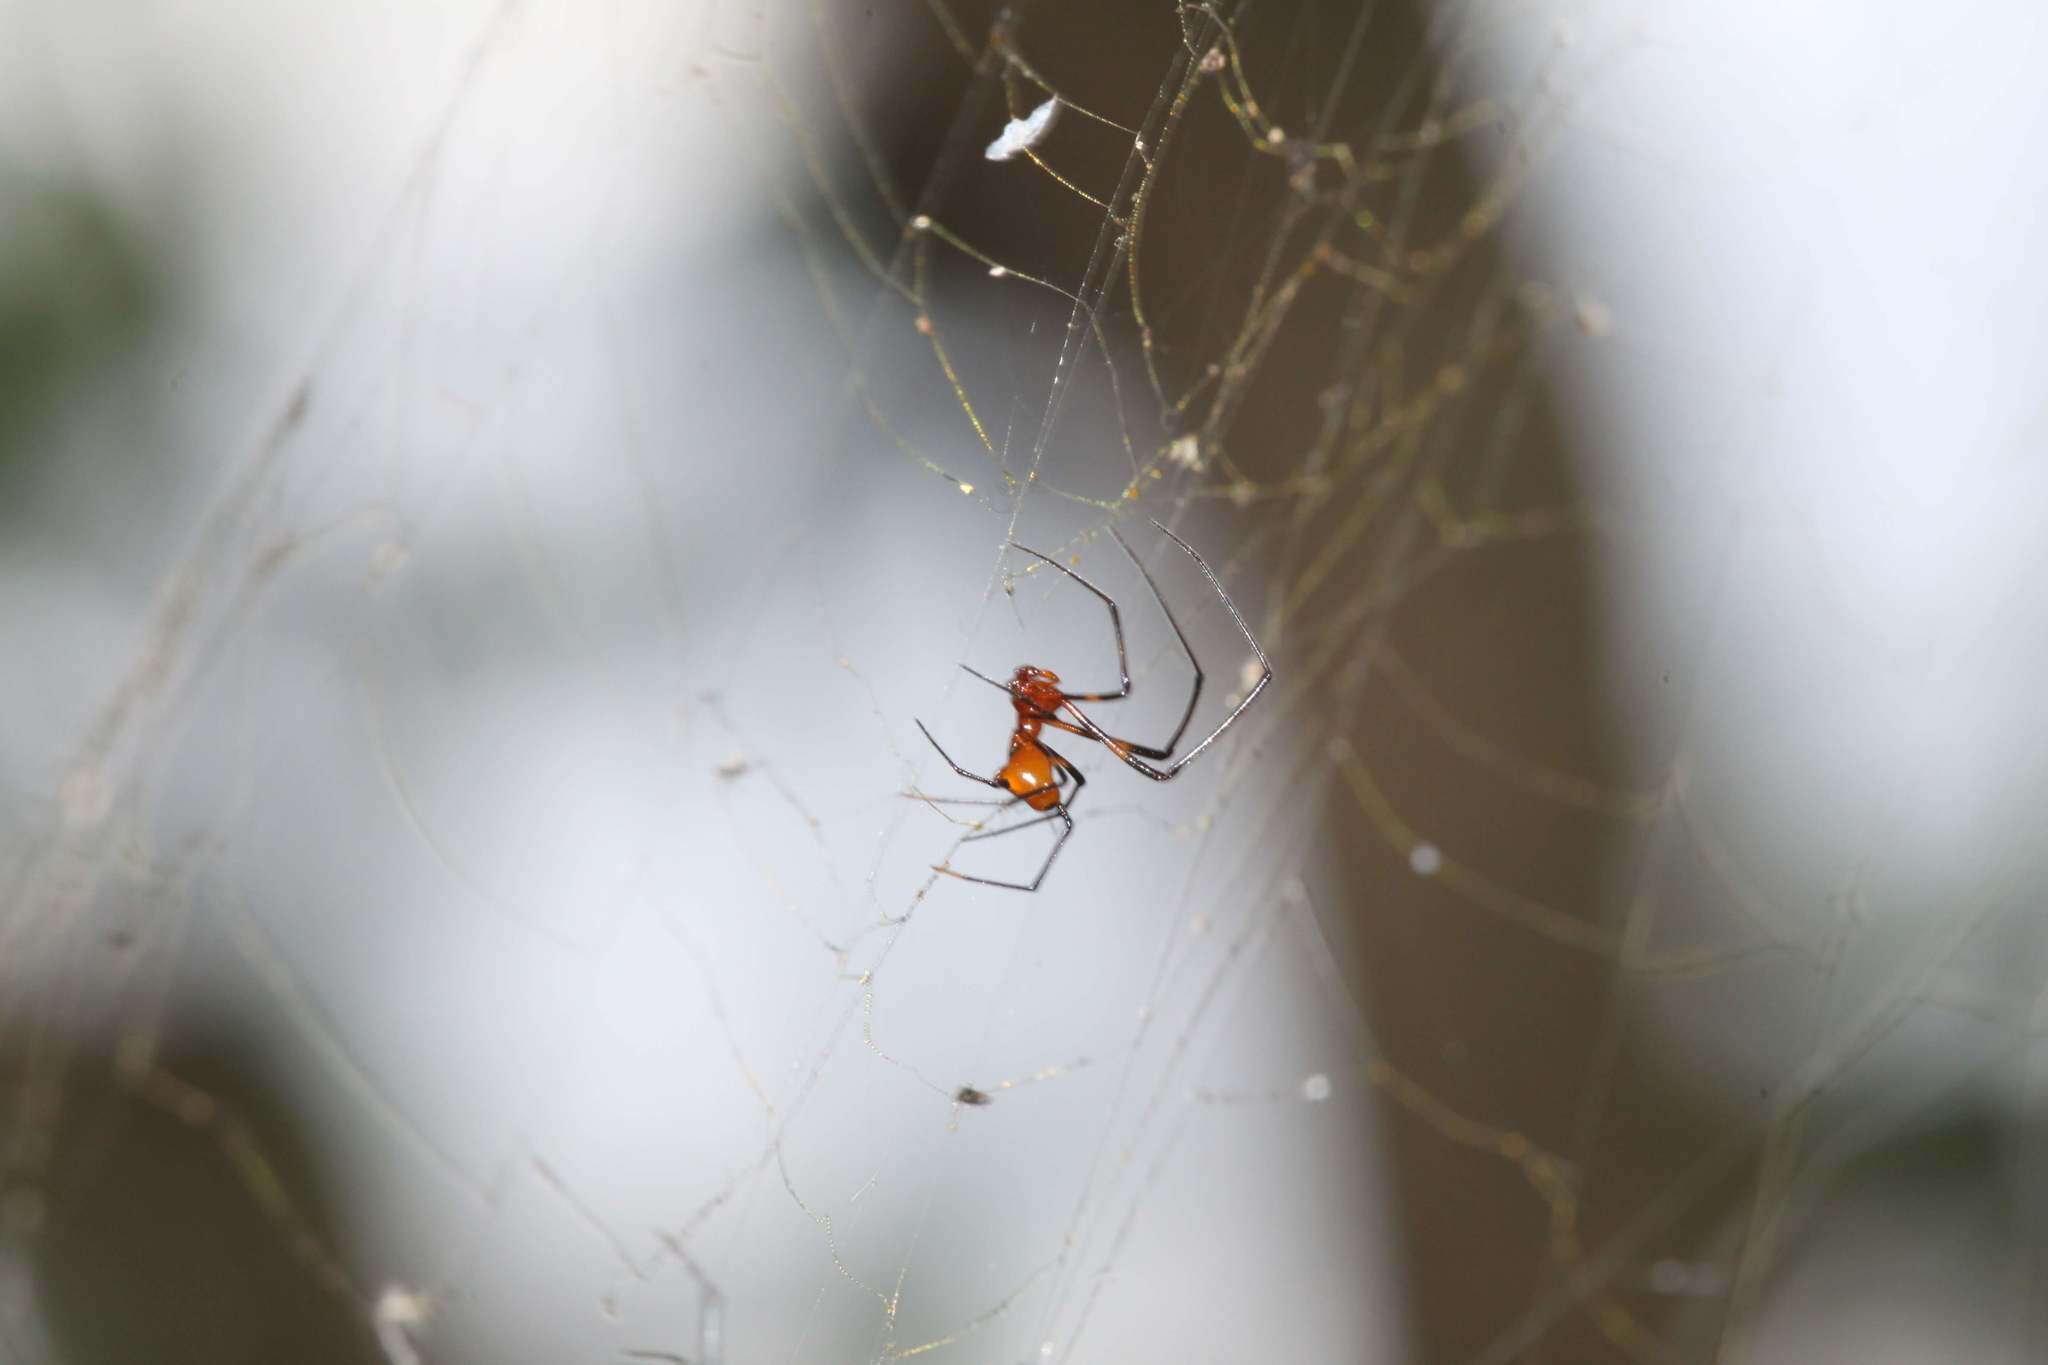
(998,686)
(1194,696)
(1044,868)
(1116,624)
(1059,812)
(1073,729)
(1047,718)
(995,782)
(1013,797)
(1033,823)
(1129,752)
(1056,723)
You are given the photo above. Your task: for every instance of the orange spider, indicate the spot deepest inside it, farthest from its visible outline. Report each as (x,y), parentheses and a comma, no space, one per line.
(1035,772)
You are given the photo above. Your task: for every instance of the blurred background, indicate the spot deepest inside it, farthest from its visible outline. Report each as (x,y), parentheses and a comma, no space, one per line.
(487,490)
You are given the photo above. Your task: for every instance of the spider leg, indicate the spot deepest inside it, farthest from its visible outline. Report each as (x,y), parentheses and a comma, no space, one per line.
(1058,812)
(1031,885)
(1132,755)
(1128,746)
(1165,751)
(1116,624)
(1195,694)
(998,686)
(995,782)
(1032,823)
(1046,716)
(1129,752)
(1066,801)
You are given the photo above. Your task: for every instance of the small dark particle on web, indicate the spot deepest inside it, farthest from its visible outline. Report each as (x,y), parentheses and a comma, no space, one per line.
(967,1094)
(295,410)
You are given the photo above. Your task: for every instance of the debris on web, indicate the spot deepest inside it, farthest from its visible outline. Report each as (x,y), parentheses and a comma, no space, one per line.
(397,1314)
(1020,135)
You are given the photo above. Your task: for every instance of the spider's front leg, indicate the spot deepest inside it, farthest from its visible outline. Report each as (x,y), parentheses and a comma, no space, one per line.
(995,782)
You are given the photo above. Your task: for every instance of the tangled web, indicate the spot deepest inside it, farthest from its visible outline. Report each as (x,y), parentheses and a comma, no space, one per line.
(495,882)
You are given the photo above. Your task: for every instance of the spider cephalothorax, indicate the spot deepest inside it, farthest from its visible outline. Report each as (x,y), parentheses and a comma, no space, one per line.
(1036,694)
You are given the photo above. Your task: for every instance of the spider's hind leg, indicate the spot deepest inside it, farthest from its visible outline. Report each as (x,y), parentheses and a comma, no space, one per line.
(1058,812)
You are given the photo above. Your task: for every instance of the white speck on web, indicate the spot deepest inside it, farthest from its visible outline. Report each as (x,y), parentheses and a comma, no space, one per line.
(1701,1281)
(386,560)
(1315,1089)
(398,1308)
(1186,451)
(1425,860)
(1019,134)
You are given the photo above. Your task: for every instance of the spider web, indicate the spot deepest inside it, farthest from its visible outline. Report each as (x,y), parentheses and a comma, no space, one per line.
(470,854)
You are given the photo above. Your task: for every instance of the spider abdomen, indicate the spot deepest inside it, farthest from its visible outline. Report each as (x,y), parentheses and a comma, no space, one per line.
(1029,774)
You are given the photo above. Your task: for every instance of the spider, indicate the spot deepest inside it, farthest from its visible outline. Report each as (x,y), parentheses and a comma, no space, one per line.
(1035,772)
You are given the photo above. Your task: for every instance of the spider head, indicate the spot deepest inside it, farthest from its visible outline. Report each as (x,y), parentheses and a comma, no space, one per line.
(1037,688)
